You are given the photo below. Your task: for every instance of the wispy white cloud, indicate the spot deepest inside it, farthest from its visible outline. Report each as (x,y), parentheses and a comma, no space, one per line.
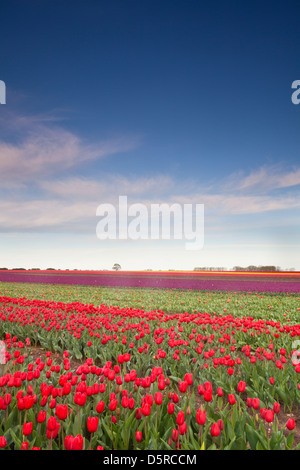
(235,204)
(50,151)
(43,214)
(38,146)
(264,179)
(108,187)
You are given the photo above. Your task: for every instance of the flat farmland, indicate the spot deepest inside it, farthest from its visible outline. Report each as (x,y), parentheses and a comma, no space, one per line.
(199,280)
(149,361)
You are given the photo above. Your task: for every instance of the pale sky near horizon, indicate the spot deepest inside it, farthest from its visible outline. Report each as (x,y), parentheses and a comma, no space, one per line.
(167,102)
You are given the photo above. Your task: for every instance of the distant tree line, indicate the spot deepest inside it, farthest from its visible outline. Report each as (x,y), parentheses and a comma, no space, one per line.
(241,268)
(210,269)
(257,268)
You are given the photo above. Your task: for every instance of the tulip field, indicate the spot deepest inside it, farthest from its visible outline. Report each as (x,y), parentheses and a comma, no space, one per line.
(149,368)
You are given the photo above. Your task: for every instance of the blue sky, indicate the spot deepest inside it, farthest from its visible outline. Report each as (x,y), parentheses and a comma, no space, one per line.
(162,101)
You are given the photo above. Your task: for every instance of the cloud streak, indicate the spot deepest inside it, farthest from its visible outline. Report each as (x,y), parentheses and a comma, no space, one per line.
(51,151)
(38,148)
(264,179)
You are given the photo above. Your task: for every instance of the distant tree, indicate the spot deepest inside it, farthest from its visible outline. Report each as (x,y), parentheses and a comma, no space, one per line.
(116,267)
(267,268)
(251,268)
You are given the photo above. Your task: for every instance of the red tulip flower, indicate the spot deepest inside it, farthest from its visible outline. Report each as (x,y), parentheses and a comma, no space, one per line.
(3,442)
(158,398)
(269,416)
(53,434)
(174,435)
(24,445)
(241,386)
(276,408)
(100,406)
(221,424)
(171,408)
(138,436)
(74,443)
(61,412)
(180,418)
(231,399)
(42,416)
(92,424)
(215,430)
(291,424)
(255,403)
(51,423)
(27,429)
(188,378)
(201,417)
(207,395)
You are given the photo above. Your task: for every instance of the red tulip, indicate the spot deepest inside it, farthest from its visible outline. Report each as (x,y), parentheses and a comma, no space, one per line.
(182,428)
(231,399)
(158,398)
(291,424)
(92,424)
(180,418)
(61,412)
(51,423)
(188,378)
(207,395)
(221,424)
(113,404)
(138,436)
(41,416)
(201,416)
(255,403)
(276,408)
(241,386)
(74,443)
(27,429)
(175,398)
(174,435)
(269,416)
(171,408)
(53,433)
(215,430)
(100,406)
(3,442)
(146,409)
(249,402)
